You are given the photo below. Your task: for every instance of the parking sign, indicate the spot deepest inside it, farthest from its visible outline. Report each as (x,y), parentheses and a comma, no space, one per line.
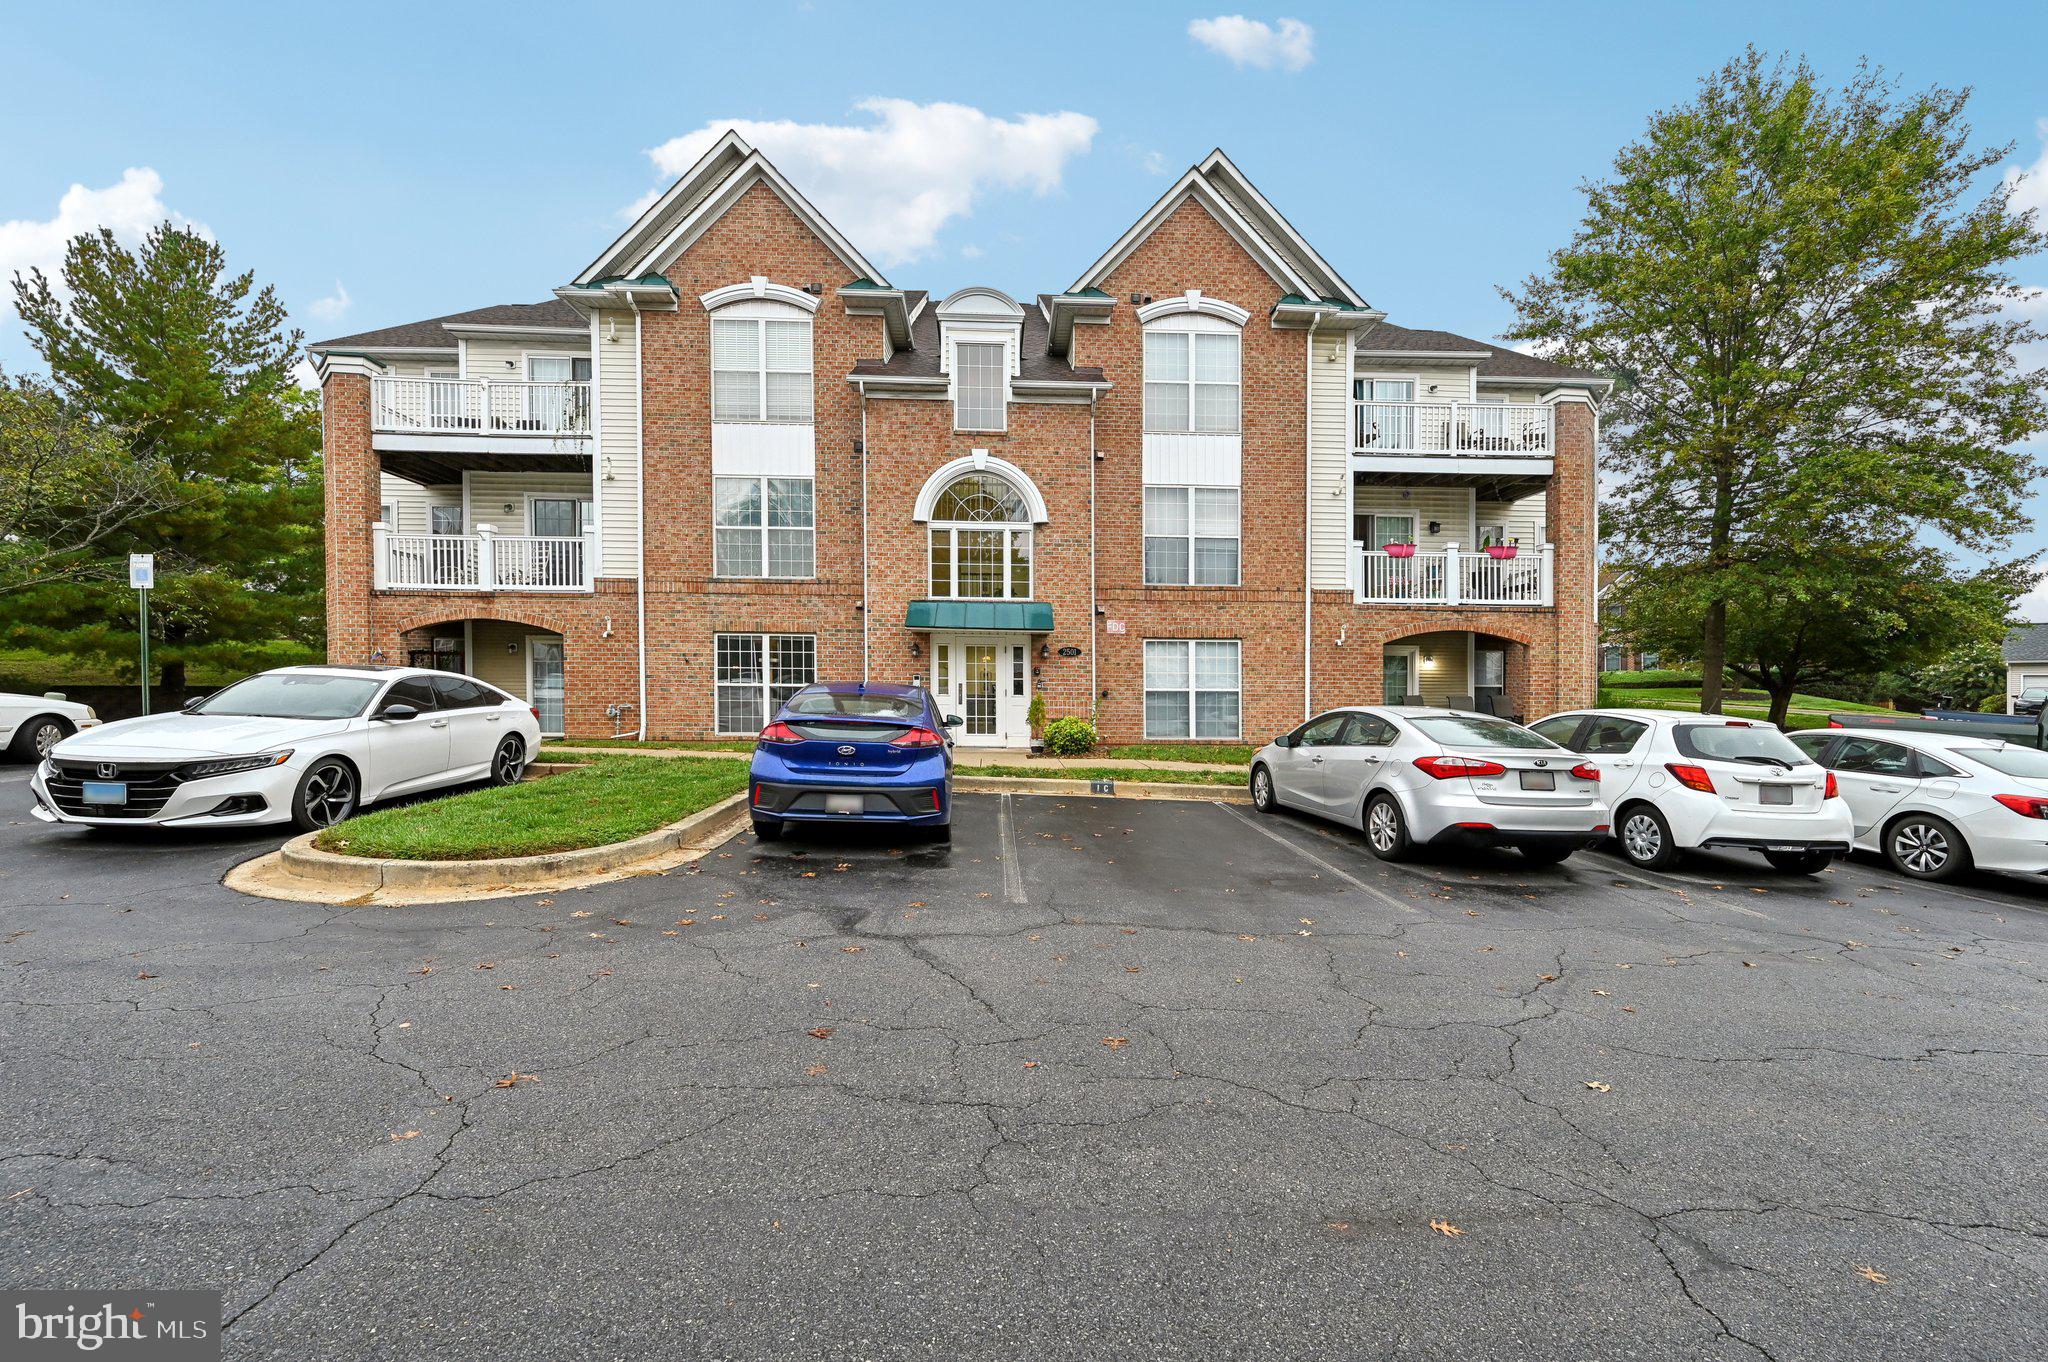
(142,571)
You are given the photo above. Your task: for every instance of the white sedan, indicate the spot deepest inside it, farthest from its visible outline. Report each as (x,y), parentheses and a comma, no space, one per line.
(1409,776)
(1676,782)
(303,745)
(30,725)
(1935,804)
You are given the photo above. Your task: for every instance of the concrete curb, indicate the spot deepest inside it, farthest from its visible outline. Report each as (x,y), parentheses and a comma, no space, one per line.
(701,831)
(1124,789)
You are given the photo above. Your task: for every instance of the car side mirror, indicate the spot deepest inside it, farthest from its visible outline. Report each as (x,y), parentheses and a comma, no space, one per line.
(953,721)
(1285,740)
(397,713)
(190,704)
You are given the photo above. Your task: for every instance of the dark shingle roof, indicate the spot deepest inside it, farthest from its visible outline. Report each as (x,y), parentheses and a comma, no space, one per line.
(1500,362)
(2027,643)
(430,333)
(922,361)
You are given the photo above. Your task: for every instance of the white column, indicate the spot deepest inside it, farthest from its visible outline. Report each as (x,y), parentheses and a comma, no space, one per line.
(486,552)
(1454,572)
(1549,573)
(380,555)
(589,558)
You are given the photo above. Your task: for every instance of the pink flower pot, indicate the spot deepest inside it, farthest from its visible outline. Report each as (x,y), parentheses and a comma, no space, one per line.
(1400,550)
(1501,550)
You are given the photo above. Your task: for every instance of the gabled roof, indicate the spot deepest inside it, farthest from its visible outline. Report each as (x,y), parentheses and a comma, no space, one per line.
(2027,643)
(682,212)
(1493,361)
(1220,187)
(432,334)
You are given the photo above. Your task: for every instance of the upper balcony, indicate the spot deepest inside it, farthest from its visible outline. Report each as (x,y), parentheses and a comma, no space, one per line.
(1453,437)
(479,415)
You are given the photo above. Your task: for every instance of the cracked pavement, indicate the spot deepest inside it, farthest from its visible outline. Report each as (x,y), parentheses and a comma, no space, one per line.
(1175,1081)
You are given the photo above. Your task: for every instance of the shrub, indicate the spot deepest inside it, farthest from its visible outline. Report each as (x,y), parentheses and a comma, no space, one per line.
(1069,737)
(1035,715)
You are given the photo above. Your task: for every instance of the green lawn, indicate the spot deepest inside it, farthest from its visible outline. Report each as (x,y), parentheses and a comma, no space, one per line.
(1124,773)
(1215,755)
(662,744)
(1617,697)
(604,802)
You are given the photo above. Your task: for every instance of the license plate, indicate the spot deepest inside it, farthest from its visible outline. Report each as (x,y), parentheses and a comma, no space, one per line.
(843,803)
(1539,780)
(1774,794)
(106,792)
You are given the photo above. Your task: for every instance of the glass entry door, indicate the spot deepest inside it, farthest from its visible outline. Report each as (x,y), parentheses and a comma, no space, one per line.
(1399,678)
(546,682)
(986,682)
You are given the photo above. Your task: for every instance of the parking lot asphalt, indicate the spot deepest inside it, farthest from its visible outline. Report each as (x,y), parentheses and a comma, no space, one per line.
(1099,1079)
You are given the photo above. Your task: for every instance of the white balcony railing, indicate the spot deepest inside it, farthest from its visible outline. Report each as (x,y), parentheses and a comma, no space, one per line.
(484,561)
(479,406)
(1501,428)
(1453,576)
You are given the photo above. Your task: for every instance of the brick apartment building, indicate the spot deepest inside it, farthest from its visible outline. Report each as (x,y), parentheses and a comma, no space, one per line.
(730,457)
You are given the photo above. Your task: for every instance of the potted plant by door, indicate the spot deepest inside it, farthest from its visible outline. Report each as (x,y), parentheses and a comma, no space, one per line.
(1399,550)
(1035,716)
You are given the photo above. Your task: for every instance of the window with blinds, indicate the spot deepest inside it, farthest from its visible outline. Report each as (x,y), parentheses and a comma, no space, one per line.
(760,369)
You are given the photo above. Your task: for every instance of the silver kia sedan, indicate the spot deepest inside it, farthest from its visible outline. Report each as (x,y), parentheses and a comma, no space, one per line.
(1410,777)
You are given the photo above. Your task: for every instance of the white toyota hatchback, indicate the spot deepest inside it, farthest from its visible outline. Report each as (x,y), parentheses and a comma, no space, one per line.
(304,745)
(1408,776)
(1675,782)
(1935,804)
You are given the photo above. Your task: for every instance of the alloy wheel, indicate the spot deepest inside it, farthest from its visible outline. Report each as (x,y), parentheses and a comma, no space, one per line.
(1380,827)
(507,765)
(1641,837)
(1921,848)
(1262,789)
(47,737)
(330,795)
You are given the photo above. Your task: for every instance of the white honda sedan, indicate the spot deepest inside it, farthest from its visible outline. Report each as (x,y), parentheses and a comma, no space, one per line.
(1676,782)
(1936,804)
(303,745)
(1408,776)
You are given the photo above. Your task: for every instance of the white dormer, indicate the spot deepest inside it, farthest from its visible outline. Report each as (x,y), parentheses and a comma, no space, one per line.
(981,344)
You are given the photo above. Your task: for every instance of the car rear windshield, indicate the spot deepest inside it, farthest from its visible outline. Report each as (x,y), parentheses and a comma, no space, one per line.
(292,696)
(1738,742)
(2028,763)
(1467,730)
(826,704)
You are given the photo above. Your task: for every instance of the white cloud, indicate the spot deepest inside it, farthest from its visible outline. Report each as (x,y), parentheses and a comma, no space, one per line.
(892,185)
(970,252)
(333,307)
(1290,46)
(2032,190)
(128,208)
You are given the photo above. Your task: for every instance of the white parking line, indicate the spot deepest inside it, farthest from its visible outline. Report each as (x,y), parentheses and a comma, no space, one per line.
(1013,873)
(1314,859)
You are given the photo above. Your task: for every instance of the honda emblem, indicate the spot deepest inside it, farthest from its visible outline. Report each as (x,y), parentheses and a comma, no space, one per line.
(108,770)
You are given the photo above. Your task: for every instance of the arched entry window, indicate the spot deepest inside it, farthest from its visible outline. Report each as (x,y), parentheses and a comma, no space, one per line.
(980,539)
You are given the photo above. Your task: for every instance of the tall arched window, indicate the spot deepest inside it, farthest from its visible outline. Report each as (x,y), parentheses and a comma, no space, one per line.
(981,540)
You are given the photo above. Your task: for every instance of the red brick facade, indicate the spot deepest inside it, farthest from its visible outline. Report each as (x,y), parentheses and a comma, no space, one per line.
(1088,553)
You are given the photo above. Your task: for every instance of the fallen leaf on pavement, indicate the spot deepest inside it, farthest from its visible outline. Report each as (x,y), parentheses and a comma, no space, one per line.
(1116,1042)
(821,1032)
(405,1134)
(1597,1086)
(1445,1228)
(1601,993)
(1871,1274)
(853,950)
(814,1070)
(515,1078)
(1030,1063)
(144,974)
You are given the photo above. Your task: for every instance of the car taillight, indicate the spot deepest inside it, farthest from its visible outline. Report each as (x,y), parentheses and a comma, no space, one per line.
(780,732)
(1691,777)
(1450,768)
(1738,723)
(1836,723)
(1586,770)
(534,710)
(919,737)
(1833,791)
(2026,806)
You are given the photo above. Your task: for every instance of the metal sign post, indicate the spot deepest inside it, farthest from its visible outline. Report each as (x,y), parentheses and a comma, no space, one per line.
(142,576)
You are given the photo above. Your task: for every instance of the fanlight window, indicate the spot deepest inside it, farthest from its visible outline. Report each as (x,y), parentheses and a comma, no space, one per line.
(980,540)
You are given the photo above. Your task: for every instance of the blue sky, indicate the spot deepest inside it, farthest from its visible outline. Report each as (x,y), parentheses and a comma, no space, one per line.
(385,164)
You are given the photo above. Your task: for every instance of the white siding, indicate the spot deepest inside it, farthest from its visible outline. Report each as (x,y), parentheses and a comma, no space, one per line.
(1181,460)
(1329,456)
(490,493)
(1449,507)
(1523,518)
(764,448)
(1453,380)
(493,659)
(409,502)
(504,361)
(618,454)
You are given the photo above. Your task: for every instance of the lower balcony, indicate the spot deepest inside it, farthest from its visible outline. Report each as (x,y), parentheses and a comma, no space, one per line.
(1453,576)
(484,561)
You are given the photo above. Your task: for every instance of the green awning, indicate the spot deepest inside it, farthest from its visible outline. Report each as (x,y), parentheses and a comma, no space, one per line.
(1009,617)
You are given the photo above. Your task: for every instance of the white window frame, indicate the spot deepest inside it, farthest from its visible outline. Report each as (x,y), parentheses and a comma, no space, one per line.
(761,528)
(1187,327)
(999,342)
(764,686)
(1192,691)
(1011,530)
(757,315)
(586,510)
(1480,528)
(388,513)
(438,509)
(1189,537)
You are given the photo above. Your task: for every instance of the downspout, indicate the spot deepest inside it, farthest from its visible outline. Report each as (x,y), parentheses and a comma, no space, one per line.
(640,531)
(1308,516)
(1094,610)
(864,602)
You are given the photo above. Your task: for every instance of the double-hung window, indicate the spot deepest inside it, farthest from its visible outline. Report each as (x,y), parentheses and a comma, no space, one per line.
(980,382)
(1191,536)
(980,540)
(1192,381)
(761,368)
(757,672)
(1192,688)
(763,527)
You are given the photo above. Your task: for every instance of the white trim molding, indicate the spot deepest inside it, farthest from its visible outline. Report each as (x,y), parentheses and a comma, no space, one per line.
(1193,301)
(758,287)
(981,461)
